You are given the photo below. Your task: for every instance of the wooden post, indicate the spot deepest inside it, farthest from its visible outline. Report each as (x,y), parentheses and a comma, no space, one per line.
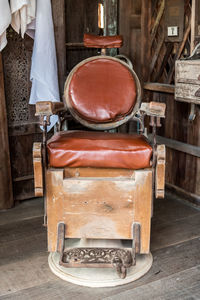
(6,196)
(193,23)
(124,25)
(145,38)
(58,9)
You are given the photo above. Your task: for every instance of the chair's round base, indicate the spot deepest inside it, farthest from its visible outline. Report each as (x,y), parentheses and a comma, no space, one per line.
(100,277)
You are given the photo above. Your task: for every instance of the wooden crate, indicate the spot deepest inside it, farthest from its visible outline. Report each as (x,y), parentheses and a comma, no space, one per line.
(99,203)
(187,81)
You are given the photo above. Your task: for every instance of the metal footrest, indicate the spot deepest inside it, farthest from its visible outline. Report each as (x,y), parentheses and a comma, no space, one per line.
(117,258)
(120,259)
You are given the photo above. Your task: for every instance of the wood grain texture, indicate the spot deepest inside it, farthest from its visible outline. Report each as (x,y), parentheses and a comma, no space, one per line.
(48,108)
(37,167)
(124,25)
(160,172)
(188,71)
(177,286)
(26,275)
(159,87)
(81,17)
(182,169)
(6,196)
(176,145)
(58,9)
(187,82)
(26,209)
(98,207)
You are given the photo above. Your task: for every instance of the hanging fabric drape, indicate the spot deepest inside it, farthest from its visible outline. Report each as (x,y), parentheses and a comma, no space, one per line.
(5,19)
(35,18)
(23,12)
(44,75)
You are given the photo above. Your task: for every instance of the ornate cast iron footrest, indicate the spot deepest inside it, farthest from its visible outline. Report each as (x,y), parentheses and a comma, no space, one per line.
(120,259)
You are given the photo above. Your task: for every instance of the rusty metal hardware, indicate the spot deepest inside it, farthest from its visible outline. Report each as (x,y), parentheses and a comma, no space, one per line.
(117,258)
(120,259)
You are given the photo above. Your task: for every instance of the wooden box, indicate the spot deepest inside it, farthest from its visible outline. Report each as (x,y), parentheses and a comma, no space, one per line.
(187,81)
(99,203)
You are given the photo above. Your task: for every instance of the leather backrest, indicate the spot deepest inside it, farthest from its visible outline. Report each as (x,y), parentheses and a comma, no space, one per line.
(102,90)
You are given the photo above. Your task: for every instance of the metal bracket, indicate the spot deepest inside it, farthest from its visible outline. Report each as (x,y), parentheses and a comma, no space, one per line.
(192,115)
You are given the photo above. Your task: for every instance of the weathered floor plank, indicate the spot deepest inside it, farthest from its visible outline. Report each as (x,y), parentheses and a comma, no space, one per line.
(42,284)
(180,286)
(22,211)
(24,271)
(172,233)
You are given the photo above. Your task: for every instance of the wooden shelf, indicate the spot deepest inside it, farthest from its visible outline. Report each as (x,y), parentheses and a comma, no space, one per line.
(79,45)
(159,87)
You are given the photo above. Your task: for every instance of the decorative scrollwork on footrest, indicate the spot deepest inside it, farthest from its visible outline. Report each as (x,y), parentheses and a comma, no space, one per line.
(120,259)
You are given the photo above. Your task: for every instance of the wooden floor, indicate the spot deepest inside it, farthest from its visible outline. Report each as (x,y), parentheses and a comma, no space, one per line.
(175,274)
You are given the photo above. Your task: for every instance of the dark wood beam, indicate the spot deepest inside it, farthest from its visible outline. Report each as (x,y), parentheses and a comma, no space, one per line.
(179,146)
(6,195)
(159,87)
(58,8)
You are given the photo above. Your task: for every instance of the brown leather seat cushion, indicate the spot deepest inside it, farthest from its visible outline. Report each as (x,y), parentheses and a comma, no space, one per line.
(98,149)
(96,41)
(102,90)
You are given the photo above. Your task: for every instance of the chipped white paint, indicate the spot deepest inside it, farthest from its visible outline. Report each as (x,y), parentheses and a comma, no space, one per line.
(188,71)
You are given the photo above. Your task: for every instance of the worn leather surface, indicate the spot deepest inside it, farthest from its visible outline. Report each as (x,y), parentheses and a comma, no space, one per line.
(96,41)
(98,149)
(102,91)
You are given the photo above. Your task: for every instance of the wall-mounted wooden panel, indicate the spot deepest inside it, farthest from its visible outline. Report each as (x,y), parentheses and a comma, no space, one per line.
(174,17)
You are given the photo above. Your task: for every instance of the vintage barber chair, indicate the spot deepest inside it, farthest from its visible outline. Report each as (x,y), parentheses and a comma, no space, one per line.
(98,186)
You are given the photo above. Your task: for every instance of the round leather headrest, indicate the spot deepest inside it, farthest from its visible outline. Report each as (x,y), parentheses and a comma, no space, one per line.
(101,90)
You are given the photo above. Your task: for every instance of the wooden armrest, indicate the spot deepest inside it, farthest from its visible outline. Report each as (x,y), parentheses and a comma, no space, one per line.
(48,108)
(37,167)
(160,172)
(153,109)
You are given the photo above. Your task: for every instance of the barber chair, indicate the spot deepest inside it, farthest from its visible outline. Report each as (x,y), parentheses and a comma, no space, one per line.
(98,184)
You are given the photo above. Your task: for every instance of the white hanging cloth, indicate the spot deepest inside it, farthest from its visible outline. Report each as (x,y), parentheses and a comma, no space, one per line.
(5,19)
(44,75)
(23,13)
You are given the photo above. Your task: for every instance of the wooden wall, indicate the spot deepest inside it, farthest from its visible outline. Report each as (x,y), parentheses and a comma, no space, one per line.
(142,24)
(6,196)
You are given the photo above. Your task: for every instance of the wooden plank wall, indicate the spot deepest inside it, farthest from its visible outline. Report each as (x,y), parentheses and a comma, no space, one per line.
(154,60)
(130,28)
(182,169)
(58,9)
(140,23)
